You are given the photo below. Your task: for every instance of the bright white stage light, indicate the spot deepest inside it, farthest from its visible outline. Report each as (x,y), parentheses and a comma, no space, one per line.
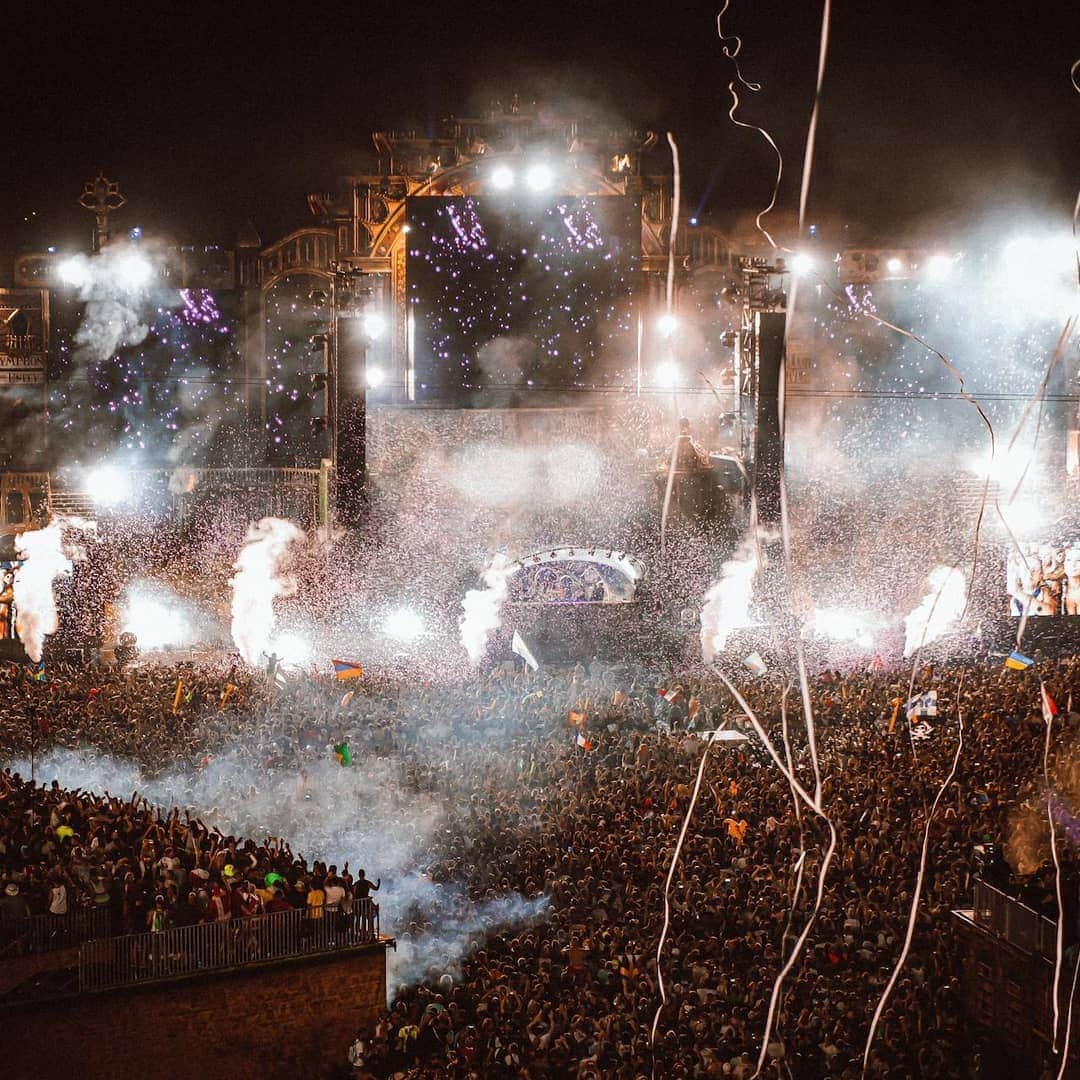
(838,624)
(894,265)
(292,650)
(154,622)
(133,271)
(938,267)
(403,625)
(667,376)
(375,377)
(502,177)
(74,271)
(666,325)
(802,263)
(374,325)
(539,177)
(1039,270)
(108,485)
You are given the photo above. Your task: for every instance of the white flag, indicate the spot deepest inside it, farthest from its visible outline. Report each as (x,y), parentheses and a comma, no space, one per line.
(922,705)
(755,664)
(518,646)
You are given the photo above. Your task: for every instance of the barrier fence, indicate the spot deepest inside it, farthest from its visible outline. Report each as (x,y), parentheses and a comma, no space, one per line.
(227,943)
(47,933)
(1018,924)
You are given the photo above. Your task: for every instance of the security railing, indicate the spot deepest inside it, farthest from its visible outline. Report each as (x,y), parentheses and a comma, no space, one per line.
(48,933)
(1007,917)
(226,943)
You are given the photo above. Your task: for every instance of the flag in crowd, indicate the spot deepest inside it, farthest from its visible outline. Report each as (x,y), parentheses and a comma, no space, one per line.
(577,719)
(1049,706)
(922,732)
(281,680)
(341,752)
(583,740)
(518,646)
(37,672)
(670,696)
(922,705)
(1017,661)
(346,669)
(755,664)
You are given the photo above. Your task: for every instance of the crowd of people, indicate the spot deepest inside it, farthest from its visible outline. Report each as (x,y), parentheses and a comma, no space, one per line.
(515,806)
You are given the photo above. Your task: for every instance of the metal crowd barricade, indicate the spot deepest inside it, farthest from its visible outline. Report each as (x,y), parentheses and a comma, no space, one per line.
(48,933)
(223,944)
(1015,922)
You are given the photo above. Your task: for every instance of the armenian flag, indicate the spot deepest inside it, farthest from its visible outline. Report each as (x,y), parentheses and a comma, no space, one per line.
(1017,661)
(346,669)
(341,752)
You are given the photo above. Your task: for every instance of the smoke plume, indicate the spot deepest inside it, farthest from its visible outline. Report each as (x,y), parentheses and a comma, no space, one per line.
(727,603)
(481,608)
(260,579)
(939,610)
(44,561)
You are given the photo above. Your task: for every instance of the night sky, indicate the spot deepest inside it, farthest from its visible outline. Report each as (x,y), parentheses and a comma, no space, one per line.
(213,114)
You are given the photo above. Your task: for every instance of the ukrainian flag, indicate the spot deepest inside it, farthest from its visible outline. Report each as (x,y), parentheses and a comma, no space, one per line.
(1018,661)
(346,669)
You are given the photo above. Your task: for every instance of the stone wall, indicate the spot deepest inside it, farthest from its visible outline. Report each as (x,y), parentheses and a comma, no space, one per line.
(285,1019)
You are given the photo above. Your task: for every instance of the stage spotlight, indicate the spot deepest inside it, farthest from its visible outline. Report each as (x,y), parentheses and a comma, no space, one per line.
(108,485)
(539,177)
(374,325)
(666,325)
(802,263)
(375,377)
(502,177)
(155,623)
(693,221)
(132,271)
(894,265)
(74,271)
(938,267)
(292,650)
(667,376)
(403,625)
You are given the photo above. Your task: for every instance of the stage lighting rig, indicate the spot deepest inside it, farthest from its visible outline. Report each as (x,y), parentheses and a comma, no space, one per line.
(763,283)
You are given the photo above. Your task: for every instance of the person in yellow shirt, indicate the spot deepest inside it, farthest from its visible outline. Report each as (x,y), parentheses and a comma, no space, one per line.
(316,900)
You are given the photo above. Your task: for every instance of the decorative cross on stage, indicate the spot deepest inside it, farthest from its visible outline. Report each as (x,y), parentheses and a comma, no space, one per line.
(102,196)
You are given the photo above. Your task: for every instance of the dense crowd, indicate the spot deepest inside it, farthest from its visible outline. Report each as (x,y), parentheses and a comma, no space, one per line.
(521,809)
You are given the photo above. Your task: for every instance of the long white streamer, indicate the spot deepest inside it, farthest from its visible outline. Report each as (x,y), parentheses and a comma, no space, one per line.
(1060,937)
(815,806)
(913,913)
(667,900)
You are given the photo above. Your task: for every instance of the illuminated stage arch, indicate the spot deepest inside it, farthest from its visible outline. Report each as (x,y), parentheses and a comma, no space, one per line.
(629,570)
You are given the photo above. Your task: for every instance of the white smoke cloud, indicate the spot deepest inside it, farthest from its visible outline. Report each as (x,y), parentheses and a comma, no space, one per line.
(45,559)
(360,815)
(727,603)
(260,579)
(939,610)
(482,608)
